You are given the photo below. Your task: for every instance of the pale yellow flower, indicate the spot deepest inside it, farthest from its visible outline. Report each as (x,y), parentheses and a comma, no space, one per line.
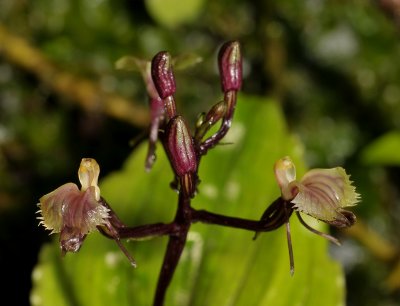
(72,212)
(320,193)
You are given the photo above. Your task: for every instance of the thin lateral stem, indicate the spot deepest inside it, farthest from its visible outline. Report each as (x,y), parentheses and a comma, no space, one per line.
(212,141)
(290,248)
(148,231)
(326,236)
(246,224)
(275,216)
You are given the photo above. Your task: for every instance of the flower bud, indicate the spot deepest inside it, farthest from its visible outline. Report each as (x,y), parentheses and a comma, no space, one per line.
(230,66)
(206,121)
(162,74)
(200,120)
(216,113)
(180,147)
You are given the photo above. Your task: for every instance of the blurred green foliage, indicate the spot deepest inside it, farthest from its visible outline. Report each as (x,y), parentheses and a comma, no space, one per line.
(332,65)
(382,151)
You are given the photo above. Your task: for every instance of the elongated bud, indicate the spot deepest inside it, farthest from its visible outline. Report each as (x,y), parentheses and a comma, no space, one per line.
(230,66)
(215,113)
(200,120)
(162,74)
(180,147)
(205,122)
(181,154)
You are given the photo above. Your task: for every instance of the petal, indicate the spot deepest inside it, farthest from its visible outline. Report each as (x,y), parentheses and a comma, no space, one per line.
(68,207)
(88,173)
(323,192)
(51,206)
(285,173)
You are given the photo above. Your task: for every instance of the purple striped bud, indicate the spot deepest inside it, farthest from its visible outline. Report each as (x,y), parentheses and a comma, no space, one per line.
(180,147)
(230,66)
(162,74)
(181,153)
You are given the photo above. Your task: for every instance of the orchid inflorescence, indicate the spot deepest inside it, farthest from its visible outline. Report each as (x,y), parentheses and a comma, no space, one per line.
(74,212)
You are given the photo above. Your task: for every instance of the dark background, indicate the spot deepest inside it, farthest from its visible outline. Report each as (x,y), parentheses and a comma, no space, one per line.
(332,65)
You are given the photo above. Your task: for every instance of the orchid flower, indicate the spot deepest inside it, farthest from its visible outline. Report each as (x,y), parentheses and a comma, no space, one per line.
(75,212)
(320,193)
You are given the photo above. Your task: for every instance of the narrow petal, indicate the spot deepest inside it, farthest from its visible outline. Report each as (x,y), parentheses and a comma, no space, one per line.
(88,173)
(285,173)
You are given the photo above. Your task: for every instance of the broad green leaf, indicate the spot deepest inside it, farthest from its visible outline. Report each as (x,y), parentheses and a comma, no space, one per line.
(173,13)
(219,266)
(384,150)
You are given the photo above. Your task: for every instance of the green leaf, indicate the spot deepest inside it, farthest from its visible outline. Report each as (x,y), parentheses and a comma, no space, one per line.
(383,151)
(173,13)
(219,266)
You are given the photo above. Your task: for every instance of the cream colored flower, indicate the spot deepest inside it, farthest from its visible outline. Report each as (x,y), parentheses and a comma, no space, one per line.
(72,212)
(321,193)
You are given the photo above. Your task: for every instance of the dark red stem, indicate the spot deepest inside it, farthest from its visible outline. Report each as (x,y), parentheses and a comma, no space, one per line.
(175,248)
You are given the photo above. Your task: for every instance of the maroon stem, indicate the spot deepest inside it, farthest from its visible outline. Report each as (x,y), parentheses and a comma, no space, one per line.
(172,255)
(175,248)
(250,225)
(275,215)
(149,230)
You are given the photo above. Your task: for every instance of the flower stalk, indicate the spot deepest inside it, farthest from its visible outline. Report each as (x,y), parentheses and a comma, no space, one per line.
(75,213)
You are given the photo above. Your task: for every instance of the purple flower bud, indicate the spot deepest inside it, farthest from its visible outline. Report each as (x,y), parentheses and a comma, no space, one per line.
(180,147)
(162,74)
(230,66)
